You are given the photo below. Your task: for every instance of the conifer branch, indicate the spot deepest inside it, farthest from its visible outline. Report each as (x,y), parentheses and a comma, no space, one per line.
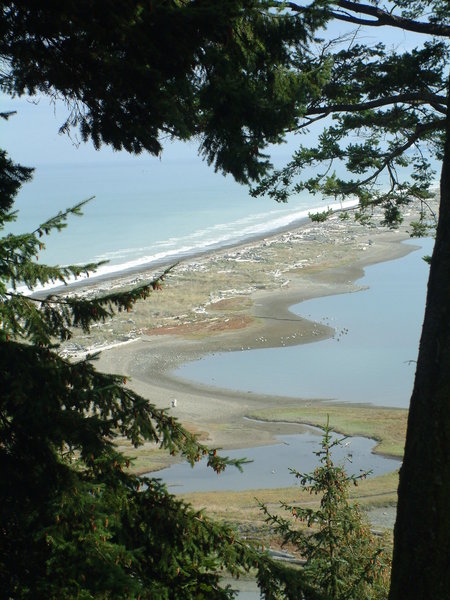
(59,221)
(438,102)
(397,151)
(345,8)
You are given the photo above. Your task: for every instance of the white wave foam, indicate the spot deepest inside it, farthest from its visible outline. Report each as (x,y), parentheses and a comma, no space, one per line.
(210,238)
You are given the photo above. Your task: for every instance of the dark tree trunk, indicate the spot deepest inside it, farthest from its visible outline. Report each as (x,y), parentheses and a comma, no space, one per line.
(421,564)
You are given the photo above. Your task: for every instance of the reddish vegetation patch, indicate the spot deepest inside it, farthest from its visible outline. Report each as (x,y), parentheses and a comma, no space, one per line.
(202,327)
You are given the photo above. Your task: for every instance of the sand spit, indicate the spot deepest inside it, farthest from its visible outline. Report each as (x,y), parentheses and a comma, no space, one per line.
(234,299)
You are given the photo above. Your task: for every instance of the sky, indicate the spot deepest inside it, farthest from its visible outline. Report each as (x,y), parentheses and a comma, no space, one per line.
(31,137)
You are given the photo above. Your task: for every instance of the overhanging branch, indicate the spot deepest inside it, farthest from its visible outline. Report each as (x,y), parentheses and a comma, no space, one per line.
(385,18)
(438,102)
(345,8)
(420,131)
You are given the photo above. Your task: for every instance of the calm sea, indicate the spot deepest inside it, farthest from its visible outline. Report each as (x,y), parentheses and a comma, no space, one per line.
(147,212)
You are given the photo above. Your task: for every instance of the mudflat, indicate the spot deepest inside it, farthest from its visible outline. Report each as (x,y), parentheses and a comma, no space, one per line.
(235,299)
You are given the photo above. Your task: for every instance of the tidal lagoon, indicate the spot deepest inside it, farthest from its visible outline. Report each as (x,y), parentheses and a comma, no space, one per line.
(370,358)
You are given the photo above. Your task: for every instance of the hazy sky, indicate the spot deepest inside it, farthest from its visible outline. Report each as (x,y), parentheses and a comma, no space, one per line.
(31,137)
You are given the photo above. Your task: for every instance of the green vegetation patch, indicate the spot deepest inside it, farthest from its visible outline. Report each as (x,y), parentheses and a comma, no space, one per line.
(385,425)
(241,509)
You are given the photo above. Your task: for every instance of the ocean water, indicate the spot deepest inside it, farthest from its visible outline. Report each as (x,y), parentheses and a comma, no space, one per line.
(147,212)
(371,358)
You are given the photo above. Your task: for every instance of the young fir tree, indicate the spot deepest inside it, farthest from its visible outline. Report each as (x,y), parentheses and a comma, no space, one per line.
(343,559)
(74,523)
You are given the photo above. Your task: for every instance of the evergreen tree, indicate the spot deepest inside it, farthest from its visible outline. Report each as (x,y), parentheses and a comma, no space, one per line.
(343,561)
(73,521)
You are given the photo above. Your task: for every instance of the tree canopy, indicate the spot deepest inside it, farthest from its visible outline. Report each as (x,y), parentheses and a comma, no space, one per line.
(74,522)
(135,73)
(383,110)
(235,76)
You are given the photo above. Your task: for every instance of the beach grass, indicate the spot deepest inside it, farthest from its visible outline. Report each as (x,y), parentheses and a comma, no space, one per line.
(146,458)
(385,425)
(242,510)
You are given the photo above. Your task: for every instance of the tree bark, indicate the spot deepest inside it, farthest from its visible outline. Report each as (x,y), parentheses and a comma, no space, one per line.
(421,562)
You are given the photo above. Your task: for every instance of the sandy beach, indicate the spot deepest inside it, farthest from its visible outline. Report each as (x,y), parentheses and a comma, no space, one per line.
(235,299)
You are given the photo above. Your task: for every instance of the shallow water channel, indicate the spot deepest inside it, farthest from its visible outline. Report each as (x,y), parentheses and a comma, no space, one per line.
(271,464)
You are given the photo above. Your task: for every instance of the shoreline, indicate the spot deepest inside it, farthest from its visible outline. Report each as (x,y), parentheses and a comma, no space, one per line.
(221,415)
(352,262)
(248,317)
(124,273)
